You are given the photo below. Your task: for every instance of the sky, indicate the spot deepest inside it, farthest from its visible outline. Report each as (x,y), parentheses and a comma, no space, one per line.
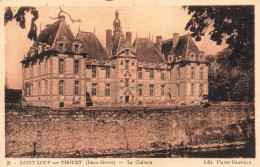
(140,20)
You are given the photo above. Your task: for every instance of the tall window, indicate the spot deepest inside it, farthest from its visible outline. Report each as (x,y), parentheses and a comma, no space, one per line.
(140,89)
(162,90)
(201,89)
(151,73)
(162,75)
(28,91)
(107,90)
(126,64)
(192,89)
(94,71)
(94,89)
(151,90)
(140,74)
(126,82)
(76,88)
(178,90)
(76,67)
(201,72)
(61,85)
(178,73)
(107,72)
(192,72)
(46,66)
(39,69)
(46,87)
(61,66)
(76,48)
(39,87)
(61,47)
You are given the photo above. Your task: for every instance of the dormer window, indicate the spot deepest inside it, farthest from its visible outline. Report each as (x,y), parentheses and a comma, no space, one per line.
(76,48)
(60,47)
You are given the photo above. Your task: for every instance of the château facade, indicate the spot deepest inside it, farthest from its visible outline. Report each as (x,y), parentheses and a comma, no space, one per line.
(63,71)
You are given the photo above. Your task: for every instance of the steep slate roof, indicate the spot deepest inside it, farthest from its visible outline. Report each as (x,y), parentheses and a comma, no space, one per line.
(92,46)
(55,31)
(146,51)
(184,45)
(117,43)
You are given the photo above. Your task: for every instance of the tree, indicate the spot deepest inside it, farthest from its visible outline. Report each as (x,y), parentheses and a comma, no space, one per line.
(20,18)
(226,82)
(234,24)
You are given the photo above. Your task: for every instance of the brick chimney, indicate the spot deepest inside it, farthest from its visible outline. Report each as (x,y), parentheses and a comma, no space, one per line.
(128,38)
(175,39)
(158,43)
(108,40)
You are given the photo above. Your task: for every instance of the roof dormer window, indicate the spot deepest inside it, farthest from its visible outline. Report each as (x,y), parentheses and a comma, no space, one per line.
(61,45)
(76,48)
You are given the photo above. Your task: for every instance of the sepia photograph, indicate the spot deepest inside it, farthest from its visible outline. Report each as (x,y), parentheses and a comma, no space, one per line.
(130,82)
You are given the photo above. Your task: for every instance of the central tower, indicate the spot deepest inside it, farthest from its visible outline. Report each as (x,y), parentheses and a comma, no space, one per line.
(117,25)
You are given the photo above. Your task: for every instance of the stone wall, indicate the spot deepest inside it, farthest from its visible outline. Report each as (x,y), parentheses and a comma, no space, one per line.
(111,130)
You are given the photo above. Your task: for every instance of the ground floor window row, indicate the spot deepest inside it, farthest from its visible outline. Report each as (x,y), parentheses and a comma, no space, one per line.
(28,89)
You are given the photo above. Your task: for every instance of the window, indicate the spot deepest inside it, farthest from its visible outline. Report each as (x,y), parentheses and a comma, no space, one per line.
(39,88)
(178,73)
(121,63)
(61,66)
(61,85)
(178,90)
(140,89)
(201,89)
(94,71)
(140,74)
(107,72)
(61,104)
(39,69)
(192,72)
(201,57)
(162,75)
(133,63)
(76,48)
(151,73)
(126,64)
(170,74)
(76,88)
(61,47)
(46,66)
(162,90)
(76,67)
(28,90)
(201,72)
(46,87)
(151,90)
(126,82)
(192,89)
(94,89)
(107,90)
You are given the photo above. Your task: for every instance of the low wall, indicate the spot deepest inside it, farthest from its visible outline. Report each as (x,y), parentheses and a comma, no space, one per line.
(59,132)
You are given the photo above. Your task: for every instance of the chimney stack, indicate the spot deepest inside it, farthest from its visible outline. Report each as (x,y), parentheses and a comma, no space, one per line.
(128,38)
(175,39)
(158,43)
(108,40)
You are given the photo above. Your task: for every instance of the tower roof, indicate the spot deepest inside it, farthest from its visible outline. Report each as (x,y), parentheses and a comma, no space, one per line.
(92,46)
(146,51)
(52,32)
(185,44)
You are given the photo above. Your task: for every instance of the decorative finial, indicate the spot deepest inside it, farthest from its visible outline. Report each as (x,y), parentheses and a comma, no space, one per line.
(116,13)
(94,30)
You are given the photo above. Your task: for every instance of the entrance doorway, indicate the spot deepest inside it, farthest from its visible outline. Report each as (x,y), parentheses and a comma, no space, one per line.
(126,99)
